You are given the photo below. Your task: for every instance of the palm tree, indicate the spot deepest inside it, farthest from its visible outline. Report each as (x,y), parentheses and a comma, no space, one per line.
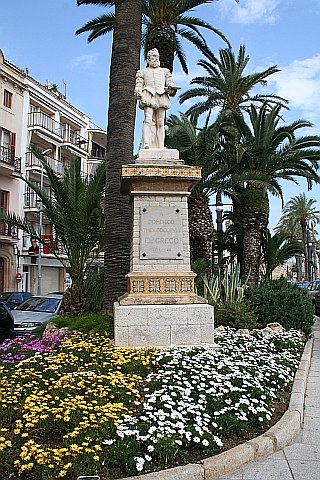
(74,210)
(196,147)
(263,154)
(165,23)
(125,60)
(297,214)
(277,249)
(226,86)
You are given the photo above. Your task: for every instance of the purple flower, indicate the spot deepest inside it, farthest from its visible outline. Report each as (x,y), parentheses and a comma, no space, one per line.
(18,349)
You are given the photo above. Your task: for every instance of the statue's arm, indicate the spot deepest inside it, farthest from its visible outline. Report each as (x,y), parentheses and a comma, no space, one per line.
(139,84)
(171,88)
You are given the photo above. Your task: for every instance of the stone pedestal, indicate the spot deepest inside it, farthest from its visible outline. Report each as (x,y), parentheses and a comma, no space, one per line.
(161,307)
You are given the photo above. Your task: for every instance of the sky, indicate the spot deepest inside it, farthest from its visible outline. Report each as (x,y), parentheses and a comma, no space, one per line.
(39,35)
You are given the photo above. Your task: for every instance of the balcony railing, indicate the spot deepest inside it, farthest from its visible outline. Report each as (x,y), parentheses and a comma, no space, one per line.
(73,137)
(8,231)
(40,119)
(31,199)
(7,156)
(93,126)
(97,152)
(33,161)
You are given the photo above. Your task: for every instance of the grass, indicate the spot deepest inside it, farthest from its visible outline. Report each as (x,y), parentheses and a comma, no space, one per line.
(91,322)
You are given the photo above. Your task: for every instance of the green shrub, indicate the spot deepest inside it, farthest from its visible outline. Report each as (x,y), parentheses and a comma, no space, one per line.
(93,285)
(200,267)
(236,315)
(283,302)
(223,287)
(91,322)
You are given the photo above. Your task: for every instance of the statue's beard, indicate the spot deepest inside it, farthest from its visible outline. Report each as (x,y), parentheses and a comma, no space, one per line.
(155,63)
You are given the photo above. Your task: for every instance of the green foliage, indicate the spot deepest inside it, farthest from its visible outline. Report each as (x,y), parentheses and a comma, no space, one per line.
(165,24)
(224,288)
(240,314)
(283,302)
(74,212)
(93,285)
(277,249)
(226,85)
(91,322)
(200,267)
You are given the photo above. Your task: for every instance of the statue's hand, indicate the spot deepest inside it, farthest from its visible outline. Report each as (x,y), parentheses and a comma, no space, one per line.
(172,90)
(138,94)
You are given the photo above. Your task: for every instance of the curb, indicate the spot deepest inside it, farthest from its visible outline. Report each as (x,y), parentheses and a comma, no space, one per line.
(280,435)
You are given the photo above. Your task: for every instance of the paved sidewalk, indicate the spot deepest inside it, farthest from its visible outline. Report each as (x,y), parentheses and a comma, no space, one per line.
(301,460)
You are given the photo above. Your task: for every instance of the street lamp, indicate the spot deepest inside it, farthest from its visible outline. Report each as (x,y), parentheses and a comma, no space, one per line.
(309,254)
(40,208)
(219,220)
(16,253)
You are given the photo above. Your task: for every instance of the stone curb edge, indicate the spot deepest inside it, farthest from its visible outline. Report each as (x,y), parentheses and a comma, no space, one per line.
(276,438)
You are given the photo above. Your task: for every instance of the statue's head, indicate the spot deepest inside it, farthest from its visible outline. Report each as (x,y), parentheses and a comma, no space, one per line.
(153,58)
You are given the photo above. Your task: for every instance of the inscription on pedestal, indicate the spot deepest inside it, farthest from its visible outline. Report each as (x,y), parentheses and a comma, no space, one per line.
(161,233)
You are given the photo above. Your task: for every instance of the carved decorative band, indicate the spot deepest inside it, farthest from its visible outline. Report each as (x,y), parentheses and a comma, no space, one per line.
(159,286)
(147,171)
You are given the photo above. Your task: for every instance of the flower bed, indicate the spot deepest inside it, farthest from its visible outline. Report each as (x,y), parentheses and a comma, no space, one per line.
(18,349)
(88,408)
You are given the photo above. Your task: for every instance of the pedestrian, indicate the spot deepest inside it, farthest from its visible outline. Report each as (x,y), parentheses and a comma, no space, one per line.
(34,247)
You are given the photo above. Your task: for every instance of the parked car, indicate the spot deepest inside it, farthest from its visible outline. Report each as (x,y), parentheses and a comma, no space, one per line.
(314,290)
(6,323)
(36,312)
(14,299)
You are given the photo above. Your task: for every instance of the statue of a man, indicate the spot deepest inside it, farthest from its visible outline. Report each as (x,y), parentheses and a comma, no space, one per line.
(154,85)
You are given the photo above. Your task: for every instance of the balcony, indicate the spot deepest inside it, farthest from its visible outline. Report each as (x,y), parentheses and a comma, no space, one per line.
(8,161)
(97,144)
(8,233)
(42,122)
(33,163)
(32,201)
(74,141)
(96,153)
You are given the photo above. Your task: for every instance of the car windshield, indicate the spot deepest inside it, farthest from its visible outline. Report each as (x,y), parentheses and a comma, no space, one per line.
(4,297)
(40,304)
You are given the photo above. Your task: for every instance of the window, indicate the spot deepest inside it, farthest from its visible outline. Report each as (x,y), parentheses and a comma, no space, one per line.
(7,99)
(4,204)
(7,144)
(4,201)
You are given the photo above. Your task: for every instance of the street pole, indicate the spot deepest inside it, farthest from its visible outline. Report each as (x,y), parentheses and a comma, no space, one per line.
(219,215)
(309,254)
(39,285)
(40,236)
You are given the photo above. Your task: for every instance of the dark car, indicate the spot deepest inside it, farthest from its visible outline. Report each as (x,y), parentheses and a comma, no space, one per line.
(313,290)
(6,323)
(14,299)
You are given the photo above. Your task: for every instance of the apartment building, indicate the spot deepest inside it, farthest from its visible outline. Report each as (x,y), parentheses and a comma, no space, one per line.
(37,115)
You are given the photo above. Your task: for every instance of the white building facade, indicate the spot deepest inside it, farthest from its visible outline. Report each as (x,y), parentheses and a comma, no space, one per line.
(37,115)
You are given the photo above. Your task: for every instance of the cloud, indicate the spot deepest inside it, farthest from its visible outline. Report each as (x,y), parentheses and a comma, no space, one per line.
(84,62)
(250,11)
(299,82)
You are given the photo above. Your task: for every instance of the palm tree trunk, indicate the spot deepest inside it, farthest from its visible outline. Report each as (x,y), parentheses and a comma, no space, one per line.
(254,214)
(121,119)
(200,229)
(299,268)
